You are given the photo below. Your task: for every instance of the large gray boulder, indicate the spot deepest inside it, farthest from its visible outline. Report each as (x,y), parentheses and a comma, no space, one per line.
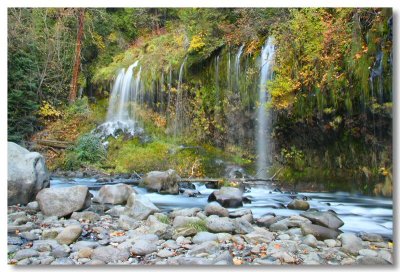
(325,219)
(350,243)
(220,224)
(298,204)
(27,174)
(214,208)
(228,197)
(162,181)
(113,194)
(139,207)
(319,232)
(64,201)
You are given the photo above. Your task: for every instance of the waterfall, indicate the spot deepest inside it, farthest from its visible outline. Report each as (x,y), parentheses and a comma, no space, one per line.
(121,111)
(179,107)
(263,115)
(237,66)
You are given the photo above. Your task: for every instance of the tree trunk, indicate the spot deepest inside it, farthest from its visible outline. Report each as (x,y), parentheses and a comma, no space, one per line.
(77,64)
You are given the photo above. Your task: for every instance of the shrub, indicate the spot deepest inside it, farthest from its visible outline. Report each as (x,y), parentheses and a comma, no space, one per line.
(89,149)
(79,107)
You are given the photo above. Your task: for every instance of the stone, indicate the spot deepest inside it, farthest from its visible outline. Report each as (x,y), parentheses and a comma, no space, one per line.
(95,262)
(367,252)
(14,240)
(228,197)
(127,223)
(259,236)
(27,174)
(85,252)
(143,247)
(268,220)
(325,219)
(63,201)
(34,206)
(60,251)
(214,208)
(350,243)
(204,236)
(116,211)
(63,261)
(386,255)
(51,233)
(184,212)
(139,207)
(371,237)
(182,221)
(242,226)
(183,260)
(171,244)
(26,253)
(12,248)
(278,226)
(162,181)
(86,216)
(83,244)
(294,221)
(298,204)
(189,192)
(220,224)
(310,240)
(114,194)
(370,260)
(283,237)
(330,242)
(110,254)
(69,235)
(208,247)
(223,237)
(47,260)
(165,253)
(30,236)
(223,258)
(319,232)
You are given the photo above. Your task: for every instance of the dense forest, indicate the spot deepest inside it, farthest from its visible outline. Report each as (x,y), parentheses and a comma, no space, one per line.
(329,99)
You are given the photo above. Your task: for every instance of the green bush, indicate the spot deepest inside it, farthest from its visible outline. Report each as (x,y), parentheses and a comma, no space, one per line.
(80,107)
(89,149)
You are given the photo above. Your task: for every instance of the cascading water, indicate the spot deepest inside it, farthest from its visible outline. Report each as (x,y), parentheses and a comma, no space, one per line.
(263,115)
(179,107)
(237,66)
(121,114)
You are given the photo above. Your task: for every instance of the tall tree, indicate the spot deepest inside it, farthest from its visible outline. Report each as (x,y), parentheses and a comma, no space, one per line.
(75,72)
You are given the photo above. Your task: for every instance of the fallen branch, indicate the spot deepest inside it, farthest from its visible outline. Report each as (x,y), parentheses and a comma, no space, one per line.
(54,143)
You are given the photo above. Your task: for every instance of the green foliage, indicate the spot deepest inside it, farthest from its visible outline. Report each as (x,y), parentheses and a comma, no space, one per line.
(163,219)
(80,107)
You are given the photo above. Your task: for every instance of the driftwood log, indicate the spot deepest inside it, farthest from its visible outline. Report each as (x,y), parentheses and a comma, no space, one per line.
(54,143)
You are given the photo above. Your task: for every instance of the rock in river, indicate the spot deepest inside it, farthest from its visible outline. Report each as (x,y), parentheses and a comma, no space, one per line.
(162,182)
(113,194)
(298,204)
(319,232)
(27,174)
(228,197)
(139,207)
(63,201)
(325,219)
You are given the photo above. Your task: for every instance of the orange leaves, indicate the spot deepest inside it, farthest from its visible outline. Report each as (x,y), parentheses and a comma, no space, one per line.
(117,233)
(237,261)
(277,246)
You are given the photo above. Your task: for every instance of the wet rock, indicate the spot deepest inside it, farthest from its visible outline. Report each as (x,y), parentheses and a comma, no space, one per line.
(69,235)
(298,204)
(34,206)
(187,185)
(268,220)
(109,254)
(294,221)
(13,216)
(114,194)
(60,251)
(219,224)
(242,226)
(259,236)
(319,232)
(27,227)
(21,220)
(86,216)
(228,197)
(189,193)
(369,260)
(350,243)
(26,253)
(170,244)
(139,207)
(63,201)
(325,219)
(204,236)
(214,208)
(278,226)
(162,182)
(26,176)
(51,233)
(143,247)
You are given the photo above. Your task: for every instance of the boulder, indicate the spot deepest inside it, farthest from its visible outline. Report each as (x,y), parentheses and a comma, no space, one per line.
(298,204)
(204,236)
(242,226)
(27,175)
(143,247)
(350,243)
(228,197)
(69,235)
(220,224)
(325,219)
(214,208)
(113,194)
(63,201)
(139,207)
(162,181)
(319,232)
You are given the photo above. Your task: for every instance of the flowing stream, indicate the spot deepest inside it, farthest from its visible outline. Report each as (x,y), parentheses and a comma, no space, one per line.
(359,213)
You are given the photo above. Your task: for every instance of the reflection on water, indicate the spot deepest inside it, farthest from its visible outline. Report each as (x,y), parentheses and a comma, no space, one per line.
(358,212)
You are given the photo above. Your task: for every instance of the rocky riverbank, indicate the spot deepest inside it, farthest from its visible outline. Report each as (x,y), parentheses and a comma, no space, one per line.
(126,228)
